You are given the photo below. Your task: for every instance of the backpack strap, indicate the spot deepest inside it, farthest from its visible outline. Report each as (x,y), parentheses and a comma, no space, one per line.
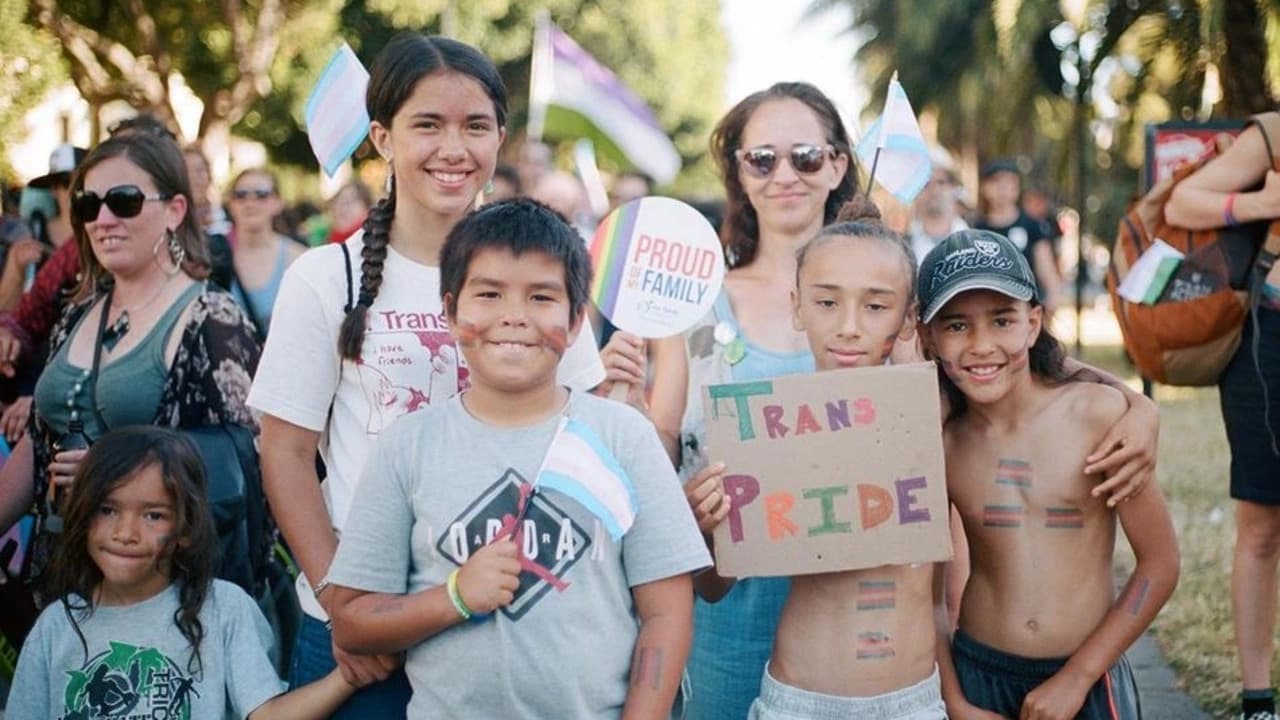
(346,264)
(1269,125)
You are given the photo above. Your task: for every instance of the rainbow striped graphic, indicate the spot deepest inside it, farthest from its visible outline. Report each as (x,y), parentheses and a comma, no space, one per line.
(1064,518)
(874,645)
(875,595)
(609,249)
(1013,472)
(1002,516)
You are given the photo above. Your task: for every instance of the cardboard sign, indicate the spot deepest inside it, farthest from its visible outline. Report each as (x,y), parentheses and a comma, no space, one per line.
(836,470)
(658,267)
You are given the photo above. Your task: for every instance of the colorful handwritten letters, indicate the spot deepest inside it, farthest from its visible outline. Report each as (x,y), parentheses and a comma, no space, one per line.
(831,471)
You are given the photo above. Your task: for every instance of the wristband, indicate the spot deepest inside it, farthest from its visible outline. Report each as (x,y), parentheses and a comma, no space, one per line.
(1228,213)
(456,597)
(319,588)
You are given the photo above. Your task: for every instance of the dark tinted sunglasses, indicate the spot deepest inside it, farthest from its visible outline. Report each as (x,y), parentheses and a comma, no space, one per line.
(260,193)
(124,201)
(762,161)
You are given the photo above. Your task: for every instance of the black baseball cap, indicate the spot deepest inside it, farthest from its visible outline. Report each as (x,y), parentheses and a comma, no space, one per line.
(62,162)
(973,260)
(1002,165)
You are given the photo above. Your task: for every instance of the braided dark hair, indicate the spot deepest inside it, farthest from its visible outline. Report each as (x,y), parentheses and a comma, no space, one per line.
(408,58)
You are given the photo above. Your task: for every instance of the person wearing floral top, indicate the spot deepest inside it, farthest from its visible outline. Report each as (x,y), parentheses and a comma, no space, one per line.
(168,348)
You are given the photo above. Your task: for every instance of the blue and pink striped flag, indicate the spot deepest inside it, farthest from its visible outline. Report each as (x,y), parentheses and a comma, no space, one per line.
(895,148)
(335,114)
(579,466)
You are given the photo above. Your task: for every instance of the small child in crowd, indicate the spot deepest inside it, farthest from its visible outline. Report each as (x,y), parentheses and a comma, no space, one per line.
(859,643)
(138,626)
(1041,634)
(549,519)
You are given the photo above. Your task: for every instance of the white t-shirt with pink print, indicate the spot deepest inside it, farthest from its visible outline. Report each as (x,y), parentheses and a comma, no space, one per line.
(408,361)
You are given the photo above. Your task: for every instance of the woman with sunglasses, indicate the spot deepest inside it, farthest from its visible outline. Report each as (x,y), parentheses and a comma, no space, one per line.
(151,343)
(785,158)
(260,254)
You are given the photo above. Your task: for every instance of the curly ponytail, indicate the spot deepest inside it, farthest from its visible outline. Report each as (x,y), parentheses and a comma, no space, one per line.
(377,234)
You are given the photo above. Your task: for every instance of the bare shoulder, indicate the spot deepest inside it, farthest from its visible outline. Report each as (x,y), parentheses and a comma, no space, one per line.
(292,250)
(1093,404)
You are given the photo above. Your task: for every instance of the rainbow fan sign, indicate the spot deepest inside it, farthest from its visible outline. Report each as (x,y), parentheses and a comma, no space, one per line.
(658,267)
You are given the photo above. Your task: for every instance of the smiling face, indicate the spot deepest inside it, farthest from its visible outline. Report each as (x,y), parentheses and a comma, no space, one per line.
(442,143)
(982,340)
(130,538)
(512,320)
(852,317)
(124,246)
(788,201)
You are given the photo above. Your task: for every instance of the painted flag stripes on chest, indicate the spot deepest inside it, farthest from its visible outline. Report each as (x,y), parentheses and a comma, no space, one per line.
(1013,472)
(579,466)
(1064,518)
(875,595)
(1003,516)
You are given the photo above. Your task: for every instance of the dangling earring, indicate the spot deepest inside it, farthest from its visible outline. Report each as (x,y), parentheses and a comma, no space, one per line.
(177,253)
(390,185)
(488,187)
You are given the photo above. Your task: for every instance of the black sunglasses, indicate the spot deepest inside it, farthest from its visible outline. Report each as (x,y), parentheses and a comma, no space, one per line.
(124,201)
(260,193)
(763,160)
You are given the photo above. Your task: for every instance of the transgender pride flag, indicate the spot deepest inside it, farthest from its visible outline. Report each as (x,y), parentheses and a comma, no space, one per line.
(894,148)
(335,115)
(579,466)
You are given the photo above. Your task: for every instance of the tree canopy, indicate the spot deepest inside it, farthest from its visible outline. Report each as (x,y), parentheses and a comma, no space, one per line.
(252,62)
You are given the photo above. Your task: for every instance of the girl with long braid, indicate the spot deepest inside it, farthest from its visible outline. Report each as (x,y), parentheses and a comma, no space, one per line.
(349,353)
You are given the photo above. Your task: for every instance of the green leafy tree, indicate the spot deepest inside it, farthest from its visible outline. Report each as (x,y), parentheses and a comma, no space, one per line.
(30,65)
(225,51)
(672,54)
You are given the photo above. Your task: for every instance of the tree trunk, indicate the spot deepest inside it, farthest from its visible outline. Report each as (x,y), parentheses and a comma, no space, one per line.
(215,140)
(1244,66)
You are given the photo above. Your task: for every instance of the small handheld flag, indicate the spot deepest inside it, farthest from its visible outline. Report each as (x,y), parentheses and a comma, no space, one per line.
(895,148)
(335,114)
(580,466)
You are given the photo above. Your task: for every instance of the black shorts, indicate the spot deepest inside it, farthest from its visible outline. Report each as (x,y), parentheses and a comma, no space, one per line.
(998,682)
(1255,466)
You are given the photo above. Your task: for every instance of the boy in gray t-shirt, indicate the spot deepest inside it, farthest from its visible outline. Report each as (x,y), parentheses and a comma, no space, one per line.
(576,579)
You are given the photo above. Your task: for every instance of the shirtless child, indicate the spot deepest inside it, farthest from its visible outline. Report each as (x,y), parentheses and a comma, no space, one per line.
(1041,633)
(854,644)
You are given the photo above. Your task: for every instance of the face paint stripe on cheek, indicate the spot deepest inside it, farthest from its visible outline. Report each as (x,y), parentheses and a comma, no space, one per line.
(556,339)
(468,334)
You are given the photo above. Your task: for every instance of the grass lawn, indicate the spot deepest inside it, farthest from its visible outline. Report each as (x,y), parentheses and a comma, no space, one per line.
(1194,628)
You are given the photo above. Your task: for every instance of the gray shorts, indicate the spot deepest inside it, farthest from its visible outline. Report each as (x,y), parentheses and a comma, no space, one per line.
(778,701)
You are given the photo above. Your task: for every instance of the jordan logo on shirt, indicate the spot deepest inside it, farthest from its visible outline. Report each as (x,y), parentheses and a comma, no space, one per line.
(550,541)
(129,682)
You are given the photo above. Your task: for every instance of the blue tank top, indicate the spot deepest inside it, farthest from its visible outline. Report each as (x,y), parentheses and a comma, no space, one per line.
(733,638)
(260,302)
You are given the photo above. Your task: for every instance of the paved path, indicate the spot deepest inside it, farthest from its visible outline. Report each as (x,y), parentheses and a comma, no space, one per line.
(1161,700)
